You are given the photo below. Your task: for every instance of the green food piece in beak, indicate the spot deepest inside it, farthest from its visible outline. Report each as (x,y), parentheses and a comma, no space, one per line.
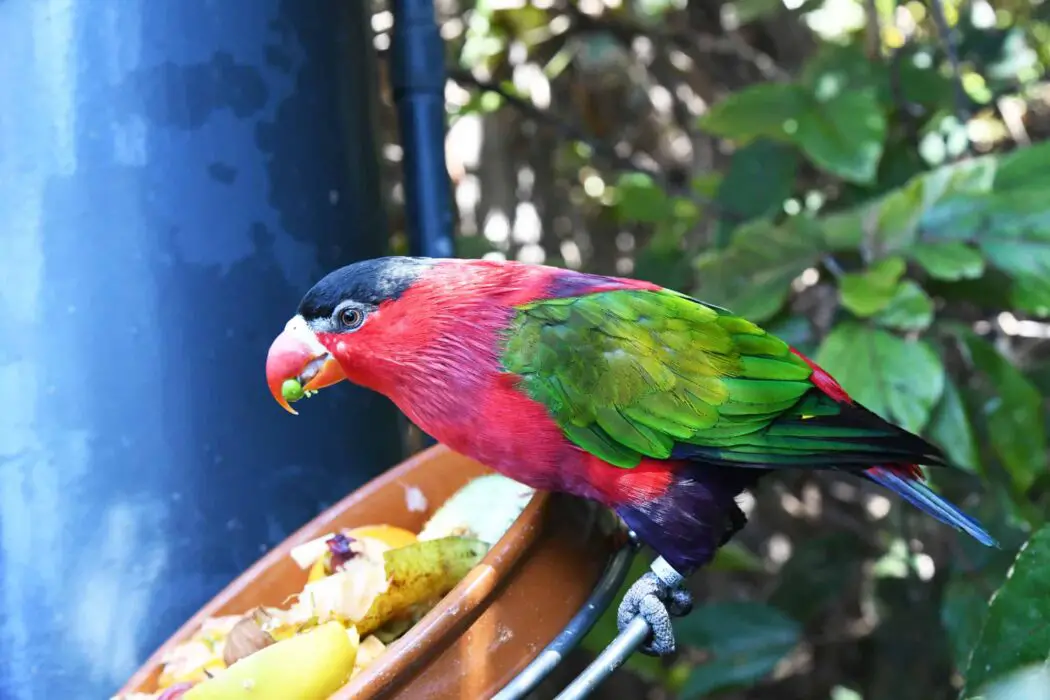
(292,390)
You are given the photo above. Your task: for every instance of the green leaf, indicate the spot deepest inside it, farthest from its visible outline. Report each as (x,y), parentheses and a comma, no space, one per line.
(949,194)
(952,260)
(1015,234)
(764,109)
(1029,683)
(920,80)
(1016,632)
(846,230)
(910,309)
(898,379)
(1013,413)
(844,134)
(1009,222)
(966,177)
(866,293)
(840,128)
(963,610)
(639,198)
(1012,230)
(892,222)
(978,571)
(745,641)
(950,429)
(896,217)
(1031,293)
(847,66)
(753,275)
(1024,169)
(835,68)
(761,176)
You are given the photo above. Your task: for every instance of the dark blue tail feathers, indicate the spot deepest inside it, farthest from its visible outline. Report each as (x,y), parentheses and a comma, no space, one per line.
(925,499)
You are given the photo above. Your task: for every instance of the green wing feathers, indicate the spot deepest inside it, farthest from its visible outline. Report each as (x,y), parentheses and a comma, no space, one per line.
(629,374)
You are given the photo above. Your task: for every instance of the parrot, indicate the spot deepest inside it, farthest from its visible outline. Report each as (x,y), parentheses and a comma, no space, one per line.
(659,406)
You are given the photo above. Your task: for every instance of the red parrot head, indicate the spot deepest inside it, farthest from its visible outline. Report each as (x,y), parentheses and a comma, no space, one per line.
(345,328)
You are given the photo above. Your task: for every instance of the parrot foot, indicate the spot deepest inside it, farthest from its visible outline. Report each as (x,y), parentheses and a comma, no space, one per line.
(656,596)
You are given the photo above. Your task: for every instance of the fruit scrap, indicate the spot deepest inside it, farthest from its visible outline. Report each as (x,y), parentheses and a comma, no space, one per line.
(366,587)
(175,692)
(485,508)
(370,541)
(369,593)
(346,595)
(246,638)
(309,666)
(292,390)
(339,547)
(421,573)
(200,655)
(369,650)
(321,568)
(392,537)
(325,555)
(307,553)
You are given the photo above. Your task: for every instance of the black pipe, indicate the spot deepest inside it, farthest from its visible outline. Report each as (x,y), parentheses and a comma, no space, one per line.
(418,79)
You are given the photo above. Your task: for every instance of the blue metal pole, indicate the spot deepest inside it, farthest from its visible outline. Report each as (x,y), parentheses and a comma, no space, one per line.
(418,78)
(174,175)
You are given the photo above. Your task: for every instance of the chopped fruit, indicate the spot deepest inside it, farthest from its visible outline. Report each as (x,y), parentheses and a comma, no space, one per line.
(308,666)
(366,587)
(389,535)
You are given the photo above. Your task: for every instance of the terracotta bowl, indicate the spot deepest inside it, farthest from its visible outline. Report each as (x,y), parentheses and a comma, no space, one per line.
(483,633)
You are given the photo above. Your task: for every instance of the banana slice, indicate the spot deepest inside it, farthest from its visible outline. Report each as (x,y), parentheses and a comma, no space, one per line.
(309,666)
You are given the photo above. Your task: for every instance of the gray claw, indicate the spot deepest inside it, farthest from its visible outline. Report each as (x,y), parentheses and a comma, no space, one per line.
(656,602)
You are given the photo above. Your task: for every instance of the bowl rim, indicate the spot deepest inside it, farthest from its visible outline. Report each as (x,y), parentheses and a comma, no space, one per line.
(451,616)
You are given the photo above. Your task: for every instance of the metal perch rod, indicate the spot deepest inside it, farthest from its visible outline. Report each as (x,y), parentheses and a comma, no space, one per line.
(611,658)
(631,638)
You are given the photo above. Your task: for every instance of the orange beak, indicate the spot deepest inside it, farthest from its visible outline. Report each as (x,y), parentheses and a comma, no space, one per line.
(298,365)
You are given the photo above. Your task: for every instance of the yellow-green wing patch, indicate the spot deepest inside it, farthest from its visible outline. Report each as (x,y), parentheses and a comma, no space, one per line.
(628,374)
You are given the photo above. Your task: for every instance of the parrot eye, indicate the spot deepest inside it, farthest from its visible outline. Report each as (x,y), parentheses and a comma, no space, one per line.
(351,318)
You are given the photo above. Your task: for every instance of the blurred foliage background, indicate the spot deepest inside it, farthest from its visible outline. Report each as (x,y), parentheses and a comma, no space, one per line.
(870,181)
